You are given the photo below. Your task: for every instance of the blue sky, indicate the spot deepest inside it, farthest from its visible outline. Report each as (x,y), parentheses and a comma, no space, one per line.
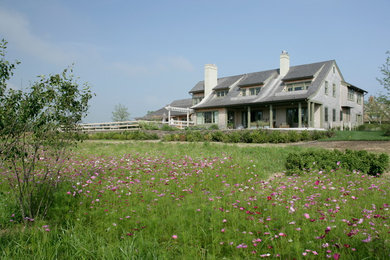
(144,54)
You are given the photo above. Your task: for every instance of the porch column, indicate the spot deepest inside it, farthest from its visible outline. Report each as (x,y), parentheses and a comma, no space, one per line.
(169,116)
(308,114)
(312,114)
(188,118)
(322,116)
(271,117)
(249,117)
(299,115)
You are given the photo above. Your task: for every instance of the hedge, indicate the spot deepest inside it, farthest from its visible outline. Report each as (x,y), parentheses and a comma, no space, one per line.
(362,161)
(248,136)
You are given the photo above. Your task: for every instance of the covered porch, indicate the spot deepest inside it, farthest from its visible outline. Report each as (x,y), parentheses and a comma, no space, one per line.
(304,114)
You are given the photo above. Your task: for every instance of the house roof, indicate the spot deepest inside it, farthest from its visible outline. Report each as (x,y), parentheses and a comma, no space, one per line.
(159,114)
(271,91)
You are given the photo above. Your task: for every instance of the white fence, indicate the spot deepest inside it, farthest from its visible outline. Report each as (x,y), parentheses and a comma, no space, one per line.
(109,126)
(180,124)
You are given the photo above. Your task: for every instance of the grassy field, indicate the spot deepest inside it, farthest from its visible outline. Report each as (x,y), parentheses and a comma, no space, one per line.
(358,136)
(200,201)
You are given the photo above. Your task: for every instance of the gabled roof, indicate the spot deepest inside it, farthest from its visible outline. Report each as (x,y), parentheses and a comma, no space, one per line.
(272,91)
(225,83)
(256,78)
(306,71)
(158,114)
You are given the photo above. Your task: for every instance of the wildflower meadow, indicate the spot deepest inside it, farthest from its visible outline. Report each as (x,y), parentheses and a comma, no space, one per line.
(200,201)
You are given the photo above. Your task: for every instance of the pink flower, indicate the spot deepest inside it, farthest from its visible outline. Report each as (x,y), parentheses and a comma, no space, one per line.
(223,230)
(336,256)
(174,236)
(307,216)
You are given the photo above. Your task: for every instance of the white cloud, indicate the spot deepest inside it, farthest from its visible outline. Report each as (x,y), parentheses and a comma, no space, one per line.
(16,29)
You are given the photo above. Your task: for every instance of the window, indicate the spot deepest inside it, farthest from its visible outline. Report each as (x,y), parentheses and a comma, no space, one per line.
(243,92)
(222,93)
(341,115)
(359,98)
(254,91)
(351,94)
(210,117)
(334,90)
(334,115)
(326,88)
(297,86)
(359,119)
(196,100)
(326,114)
(334,69)
(256,115)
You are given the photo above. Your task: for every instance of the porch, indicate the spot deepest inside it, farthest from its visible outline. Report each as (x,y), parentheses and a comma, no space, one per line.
(297,115)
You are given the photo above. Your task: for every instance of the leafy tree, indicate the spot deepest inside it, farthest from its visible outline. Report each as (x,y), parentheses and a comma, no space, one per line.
(385,80)
(376,110)
(120,113)
(37,128)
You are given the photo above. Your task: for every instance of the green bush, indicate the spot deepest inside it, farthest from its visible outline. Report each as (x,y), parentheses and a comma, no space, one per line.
(386,129)
(363,161)
(213,127)
(149,126)
(166,127)
(218,136)
(258,136)
(127,135)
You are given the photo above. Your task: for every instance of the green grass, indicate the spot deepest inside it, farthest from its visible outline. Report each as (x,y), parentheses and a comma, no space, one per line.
(127,201)
(358,136)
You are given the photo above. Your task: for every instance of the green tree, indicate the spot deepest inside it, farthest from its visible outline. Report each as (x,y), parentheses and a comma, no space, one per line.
(120,113)
(37,128)
(376,110)
(385,80)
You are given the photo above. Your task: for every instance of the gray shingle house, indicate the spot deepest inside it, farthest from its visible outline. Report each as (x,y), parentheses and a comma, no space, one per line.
(305,96)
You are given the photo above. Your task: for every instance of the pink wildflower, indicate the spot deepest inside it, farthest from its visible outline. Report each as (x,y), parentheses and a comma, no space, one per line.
(307,216)
(174,236)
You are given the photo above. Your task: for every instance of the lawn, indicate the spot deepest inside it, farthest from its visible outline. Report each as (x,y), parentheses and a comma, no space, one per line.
(358,136)
(193,201)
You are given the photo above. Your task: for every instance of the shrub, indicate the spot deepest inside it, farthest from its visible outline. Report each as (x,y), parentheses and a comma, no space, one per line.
(363,161)
(259,136)
(218,136)
(149,126)
(166,127)
(213,127)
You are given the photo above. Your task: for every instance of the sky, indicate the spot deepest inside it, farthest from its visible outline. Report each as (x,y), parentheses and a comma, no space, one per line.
(145,54)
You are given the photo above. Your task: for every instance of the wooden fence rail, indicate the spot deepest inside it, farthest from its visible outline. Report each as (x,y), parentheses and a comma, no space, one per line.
(110,126)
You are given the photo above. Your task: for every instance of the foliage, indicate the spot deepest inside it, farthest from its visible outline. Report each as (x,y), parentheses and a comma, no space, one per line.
(362,161)
(366,135)
(204,201)
(385,80)
(120,113)
(377,109)
(36,129)
(248,136)
(149,125)
(125,135)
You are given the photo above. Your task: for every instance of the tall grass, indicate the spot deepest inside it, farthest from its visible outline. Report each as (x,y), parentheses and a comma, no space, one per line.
(198,201)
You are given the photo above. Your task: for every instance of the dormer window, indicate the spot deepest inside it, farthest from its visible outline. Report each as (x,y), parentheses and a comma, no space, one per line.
(296,86)
(196,100)
(254,91)
(222,93)
(243,92)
